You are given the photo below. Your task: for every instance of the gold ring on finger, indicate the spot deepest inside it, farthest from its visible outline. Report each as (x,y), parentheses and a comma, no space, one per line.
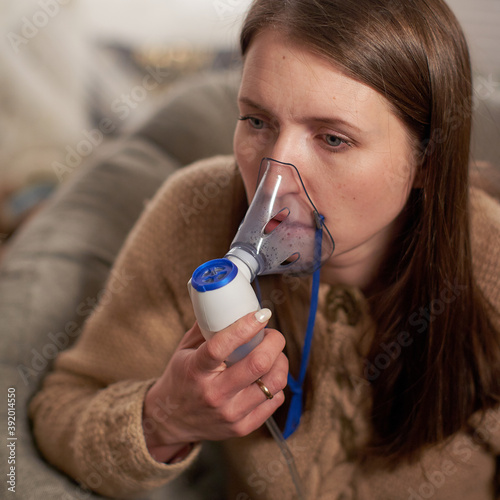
(264,389)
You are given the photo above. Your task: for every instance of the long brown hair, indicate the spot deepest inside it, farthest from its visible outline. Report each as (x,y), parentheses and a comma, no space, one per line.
(448,366)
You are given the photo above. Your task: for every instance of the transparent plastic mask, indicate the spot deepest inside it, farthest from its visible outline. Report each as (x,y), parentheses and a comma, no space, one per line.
(279,232)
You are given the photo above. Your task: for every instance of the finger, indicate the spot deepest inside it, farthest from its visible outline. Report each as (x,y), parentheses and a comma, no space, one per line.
(217,349)
(274,381)
(257,363)
(241,418)
(258,415)
(247,400)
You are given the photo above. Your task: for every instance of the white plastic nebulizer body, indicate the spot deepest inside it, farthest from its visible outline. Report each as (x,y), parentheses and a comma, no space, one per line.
(221,294)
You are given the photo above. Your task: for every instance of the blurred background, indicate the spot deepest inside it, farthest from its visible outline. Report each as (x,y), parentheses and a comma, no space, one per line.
(74,74)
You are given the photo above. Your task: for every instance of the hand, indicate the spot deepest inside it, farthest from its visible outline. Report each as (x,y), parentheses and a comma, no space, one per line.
(199,398)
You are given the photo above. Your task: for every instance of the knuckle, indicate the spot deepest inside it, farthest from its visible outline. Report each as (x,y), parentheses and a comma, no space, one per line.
(280,339)
(259,363)
(211,398)
(277,382)
(277,338)
(281,380)
(242,331)
(212,350)
(229,415)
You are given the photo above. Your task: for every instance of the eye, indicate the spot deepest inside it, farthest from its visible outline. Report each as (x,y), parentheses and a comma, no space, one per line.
(254,122)
(334,141)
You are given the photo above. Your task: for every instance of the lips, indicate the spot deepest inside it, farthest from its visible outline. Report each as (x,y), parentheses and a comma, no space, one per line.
(276,221)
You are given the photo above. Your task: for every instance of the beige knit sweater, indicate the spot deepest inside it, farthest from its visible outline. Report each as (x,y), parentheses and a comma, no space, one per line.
(87,417)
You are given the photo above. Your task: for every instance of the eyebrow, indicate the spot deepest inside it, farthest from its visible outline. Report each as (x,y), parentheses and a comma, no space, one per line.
(320,119)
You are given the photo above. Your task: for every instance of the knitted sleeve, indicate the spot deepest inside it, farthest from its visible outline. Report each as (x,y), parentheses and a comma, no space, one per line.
(88,416)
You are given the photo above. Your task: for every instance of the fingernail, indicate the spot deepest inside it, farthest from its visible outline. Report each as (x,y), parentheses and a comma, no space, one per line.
(263,315)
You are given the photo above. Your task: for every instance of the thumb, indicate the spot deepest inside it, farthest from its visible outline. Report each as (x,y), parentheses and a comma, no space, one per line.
(192,339)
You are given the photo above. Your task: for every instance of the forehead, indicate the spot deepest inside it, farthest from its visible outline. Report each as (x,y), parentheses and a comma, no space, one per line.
(289,78)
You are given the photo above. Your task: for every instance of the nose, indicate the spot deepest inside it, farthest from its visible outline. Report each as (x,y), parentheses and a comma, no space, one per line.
(290,146)
(279,178)
(287,146)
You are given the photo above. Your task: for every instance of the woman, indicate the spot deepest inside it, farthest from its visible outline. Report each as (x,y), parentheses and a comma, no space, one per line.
(371,100)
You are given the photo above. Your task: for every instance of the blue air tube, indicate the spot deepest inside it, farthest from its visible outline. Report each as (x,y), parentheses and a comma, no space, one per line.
(297,386)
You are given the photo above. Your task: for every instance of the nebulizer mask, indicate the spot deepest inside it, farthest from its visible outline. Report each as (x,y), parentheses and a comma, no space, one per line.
(282,232)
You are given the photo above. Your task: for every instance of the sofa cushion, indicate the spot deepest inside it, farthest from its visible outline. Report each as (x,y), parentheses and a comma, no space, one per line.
(55,267)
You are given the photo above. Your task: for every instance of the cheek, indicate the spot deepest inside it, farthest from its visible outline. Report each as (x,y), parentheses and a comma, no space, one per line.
(398,176)
(398,165)
(386,194)
(386,173)
(368,196)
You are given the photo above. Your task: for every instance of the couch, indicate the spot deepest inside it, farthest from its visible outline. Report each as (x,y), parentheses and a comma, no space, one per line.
(54,268)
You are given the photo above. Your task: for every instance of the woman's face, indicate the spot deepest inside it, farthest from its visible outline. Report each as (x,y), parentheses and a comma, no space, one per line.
(353,153)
